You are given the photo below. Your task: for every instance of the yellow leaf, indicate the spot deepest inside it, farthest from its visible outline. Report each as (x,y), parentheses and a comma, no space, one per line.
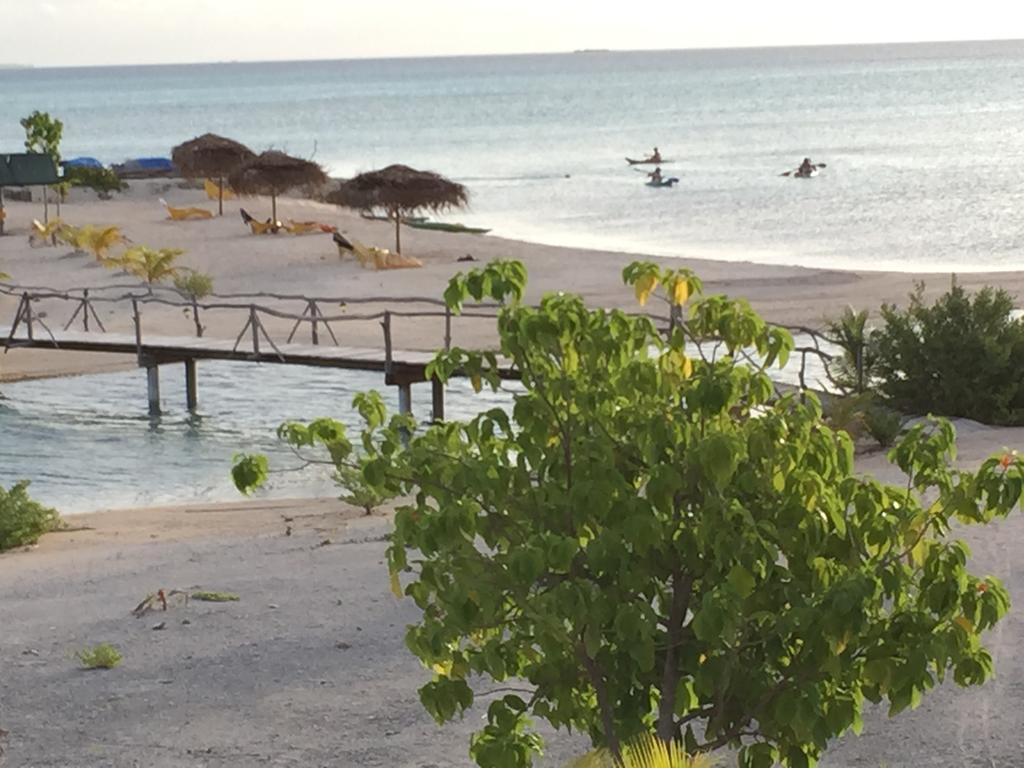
(475,381)
(964,623)
(396,585)
(680,291)
(644,286)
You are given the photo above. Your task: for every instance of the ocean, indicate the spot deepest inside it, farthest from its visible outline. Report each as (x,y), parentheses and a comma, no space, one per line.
(924,143)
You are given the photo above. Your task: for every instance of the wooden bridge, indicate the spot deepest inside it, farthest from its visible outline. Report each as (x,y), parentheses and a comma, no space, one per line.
(254,343)
(84,331)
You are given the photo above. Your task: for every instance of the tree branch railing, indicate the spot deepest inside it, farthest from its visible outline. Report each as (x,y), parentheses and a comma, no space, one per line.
(814,344)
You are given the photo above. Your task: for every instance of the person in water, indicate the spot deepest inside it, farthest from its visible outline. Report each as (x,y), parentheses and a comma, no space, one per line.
(806,167)
(655,175)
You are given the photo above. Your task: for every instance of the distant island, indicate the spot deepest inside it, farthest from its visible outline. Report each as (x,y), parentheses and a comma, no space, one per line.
(15,66)
(593,50)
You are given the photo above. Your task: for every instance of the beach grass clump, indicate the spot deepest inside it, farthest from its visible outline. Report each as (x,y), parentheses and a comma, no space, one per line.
(962,356)
(22,520)
(102,656)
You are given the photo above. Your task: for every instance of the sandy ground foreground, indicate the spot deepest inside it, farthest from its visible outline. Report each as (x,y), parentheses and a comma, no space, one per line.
(309,668)
(309,265)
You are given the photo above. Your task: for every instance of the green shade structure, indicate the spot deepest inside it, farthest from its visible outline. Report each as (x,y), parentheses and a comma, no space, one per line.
(400,190)
(25,169)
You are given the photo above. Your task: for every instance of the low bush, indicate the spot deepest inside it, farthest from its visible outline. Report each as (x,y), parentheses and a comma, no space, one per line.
(103,180)
(22,520)
(193,285)
(961,356)
(102,656)
(358,492)
(882,423)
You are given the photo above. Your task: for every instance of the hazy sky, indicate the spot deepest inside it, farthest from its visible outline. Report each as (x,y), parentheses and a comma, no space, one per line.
(82,32)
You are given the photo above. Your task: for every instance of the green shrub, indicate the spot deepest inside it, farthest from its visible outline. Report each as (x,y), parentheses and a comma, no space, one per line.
(103,180)
(962,356)
(193,285)
(23,521)
(102,656)
(883,424)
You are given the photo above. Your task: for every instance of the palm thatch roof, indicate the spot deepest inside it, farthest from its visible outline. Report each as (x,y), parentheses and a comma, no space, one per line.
(210,155)
(400,189)
(274,172)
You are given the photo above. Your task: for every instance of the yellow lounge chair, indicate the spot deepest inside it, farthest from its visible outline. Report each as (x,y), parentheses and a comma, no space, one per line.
(44,234)
(381,258)
(302,227)
(183,214)
(213,190)
(258,227)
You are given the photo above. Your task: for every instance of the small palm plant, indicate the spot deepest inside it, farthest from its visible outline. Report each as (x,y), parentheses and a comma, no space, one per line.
(100,240)
(853,371)
(645,752)
(150,264)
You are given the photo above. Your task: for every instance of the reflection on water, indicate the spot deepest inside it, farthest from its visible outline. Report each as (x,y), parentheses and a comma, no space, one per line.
(86,442)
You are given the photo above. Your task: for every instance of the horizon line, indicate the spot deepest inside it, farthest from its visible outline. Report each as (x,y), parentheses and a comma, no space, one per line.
(15,66)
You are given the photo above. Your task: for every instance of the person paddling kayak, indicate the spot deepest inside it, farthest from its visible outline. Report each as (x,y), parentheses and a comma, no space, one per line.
(806,170)
(655,156)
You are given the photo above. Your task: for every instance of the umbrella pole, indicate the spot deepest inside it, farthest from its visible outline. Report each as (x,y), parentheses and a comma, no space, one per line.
(220,195)
(273,209)
(398,231)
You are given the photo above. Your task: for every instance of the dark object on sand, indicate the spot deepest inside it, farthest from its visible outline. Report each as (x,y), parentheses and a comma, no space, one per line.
(440,226)
(145,168)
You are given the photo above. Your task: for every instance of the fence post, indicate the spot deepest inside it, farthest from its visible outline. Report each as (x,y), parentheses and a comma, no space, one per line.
(386,325)
(85,309)
(254,322)
(137,319)
(28,314)
(313,312)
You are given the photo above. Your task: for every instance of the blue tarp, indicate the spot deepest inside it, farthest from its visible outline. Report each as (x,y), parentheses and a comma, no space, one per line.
(150,164)
(82,162)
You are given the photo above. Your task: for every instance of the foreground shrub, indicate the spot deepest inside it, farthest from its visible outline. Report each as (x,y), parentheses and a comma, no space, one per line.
(962,356)
(102,656)
(855,367)
(103,180)
(654,542)
(22,520)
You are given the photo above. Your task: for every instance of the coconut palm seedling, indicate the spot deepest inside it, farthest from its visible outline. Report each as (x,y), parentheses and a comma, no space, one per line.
(151,265)
(646,752)
(99,241)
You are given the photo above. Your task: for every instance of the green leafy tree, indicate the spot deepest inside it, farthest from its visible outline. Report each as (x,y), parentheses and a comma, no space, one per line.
(43,134)
(194,285)
(653,542)
(961,356)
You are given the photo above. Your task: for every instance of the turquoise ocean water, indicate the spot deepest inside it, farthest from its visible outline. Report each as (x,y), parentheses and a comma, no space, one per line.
(924,145)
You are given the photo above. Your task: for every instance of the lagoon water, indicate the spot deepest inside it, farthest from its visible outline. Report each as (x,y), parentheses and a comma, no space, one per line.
(924,145)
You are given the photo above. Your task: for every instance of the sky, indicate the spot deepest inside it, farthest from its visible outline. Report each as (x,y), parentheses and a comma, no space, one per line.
(104,32)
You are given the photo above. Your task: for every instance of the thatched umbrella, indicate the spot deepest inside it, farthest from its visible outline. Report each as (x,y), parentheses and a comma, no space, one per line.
(273,173)
(211,156)
(401,191)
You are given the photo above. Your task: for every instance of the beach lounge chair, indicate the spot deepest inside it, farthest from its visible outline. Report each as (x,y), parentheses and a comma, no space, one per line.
(308,227)
(183,214)
(258,227)
(44,234)
(213,190)
(374,258)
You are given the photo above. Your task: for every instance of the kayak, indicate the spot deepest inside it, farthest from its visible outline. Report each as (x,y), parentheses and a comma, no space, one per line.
(648,161)
(663,183)
(440,226)
(405,220)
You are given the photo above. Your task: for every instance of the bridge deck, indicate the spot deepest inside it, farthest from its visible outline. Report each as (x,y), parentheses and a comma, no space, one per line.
(168,349)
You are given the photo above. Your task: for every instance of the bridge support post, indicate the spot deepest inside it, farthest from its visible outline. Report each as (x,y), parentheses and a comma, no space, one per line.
(191,394)
(437,400)
(404,397)
(153,388)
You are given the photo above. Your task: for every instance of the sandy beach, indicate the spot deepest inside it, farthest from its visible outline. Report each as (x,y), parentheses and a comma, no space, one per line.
(309,667)
(309,265)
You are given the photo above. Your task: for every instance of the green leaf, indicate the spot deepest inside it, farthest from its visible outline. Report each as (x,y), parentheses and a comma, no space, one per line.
(249,472)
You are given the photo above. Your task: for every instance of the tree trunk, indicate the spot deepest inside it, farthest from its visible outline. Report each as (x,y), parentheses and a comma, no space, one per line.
(273,211)
(46,205)
(220,195)
(398,230)
(2,212)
